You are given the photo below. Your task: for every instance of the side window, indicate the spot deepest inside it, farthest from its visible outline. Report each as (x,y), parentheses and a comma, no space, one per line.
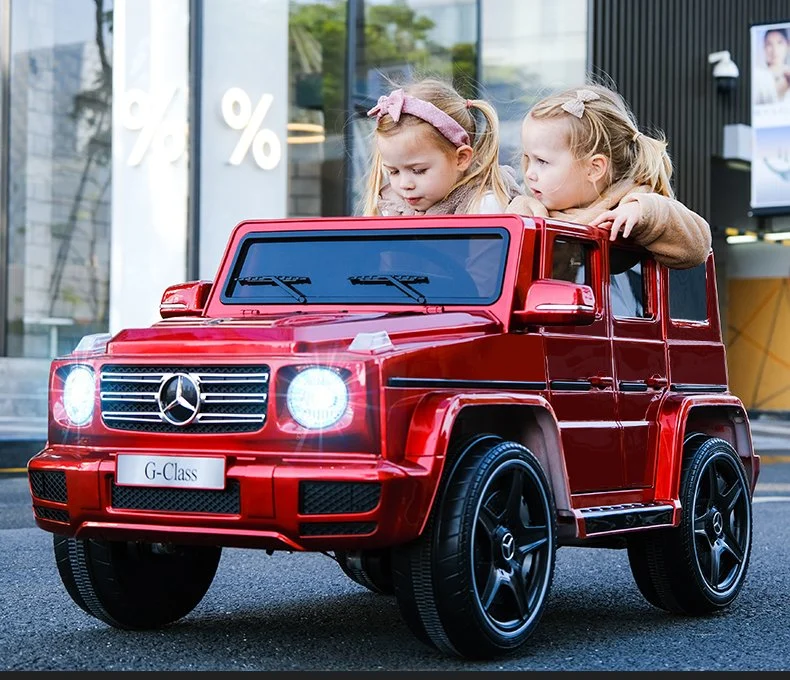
(570,261)
(626,284)
(688,294)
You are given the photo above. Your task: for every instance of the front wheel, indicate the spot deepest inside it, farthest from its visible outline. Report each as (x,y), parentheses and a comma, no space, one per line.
(475,583)
(135,586)
(699,567)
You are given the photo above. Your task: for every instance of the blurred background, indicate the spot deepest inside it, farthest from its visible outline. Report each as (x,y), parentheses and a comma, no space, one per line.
(135,134)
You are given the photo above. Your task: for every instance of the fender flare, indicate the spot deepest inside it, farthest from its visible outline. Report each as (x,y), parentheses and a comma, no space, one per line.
(674,435)
(431,428)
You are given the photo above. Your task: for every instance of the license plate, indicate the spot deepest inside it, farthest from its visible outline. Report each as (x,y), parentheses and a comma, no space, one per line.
(181,472)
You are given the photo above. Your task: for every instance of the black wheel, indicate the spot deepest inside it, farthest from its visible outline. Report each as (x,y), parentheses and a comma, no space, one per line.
(370,568)
(699,567)
(135,586)
(475,583)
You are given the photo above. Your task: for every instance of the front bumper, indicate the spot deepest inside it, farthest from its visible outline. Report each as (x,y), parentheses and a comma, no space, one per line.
(274,501)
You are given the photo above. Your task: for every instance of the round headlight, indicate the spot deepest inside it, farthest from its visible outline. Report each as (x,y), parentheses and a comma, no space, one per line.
(79,394)
(317,398)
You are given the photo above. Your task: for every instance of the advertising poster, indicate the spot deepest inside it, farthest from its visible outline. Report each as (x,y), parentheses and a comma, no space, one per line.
(770,55)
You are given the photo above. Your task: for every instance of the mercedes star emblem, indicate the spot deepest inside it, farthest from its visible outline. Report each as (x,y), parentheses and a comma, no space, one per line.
(179,399)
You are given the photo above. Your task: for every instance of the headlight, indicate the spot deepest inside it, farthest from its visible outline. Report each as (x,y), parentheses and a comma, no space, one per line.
(317,398)
(79,394)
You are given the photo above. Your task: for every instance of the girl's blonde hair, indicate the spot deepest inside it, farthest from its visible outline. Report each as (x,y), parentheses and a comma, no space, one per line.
(484,172)
(607,126)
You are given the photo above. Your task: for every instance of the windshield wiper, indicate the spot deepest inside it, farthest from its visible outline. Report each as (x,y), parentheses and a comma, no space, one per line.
(402,282)
(287,283)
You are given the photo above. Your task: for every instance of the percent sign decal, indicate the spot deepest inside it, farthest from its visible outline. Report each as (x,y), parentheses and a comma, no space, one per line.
(238,113)
(147,114)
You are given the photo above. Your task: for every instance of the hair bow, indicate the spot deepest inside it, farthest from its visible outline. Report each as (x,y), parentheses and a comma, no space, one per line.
(576,106)
(391,104)
(397,102)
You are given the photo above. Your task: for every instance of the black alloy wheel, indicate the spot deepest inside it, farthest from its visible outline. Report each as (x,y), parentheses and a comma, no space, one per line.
(475,583)
(700,566)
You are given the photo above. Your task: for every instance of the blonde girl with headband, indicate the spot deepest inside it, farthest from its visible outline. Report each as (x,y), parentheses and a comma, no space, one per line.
(586,161)
(432,158)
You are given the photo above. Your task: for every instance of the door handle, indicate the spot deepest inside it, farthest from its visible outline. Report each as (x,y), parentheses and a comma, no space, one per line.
(656,382)
(601,381)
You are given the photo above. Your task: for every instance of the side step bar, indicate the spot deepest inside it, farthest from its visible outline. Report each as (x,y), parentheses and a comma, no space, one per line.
(616,518)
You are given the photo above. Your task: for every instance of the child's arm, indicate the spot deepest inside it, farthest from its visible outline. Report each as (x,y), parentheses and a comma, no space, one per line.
(677,236)
(527,205)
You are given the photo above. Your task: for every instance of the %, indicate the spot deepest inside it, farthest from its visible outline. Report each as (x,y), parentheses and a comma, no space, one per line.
(147,114)
(238,113)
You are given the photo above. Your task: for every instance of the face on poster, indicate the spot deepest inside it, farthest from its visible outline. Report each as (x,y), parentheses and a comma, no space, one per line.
(770,55)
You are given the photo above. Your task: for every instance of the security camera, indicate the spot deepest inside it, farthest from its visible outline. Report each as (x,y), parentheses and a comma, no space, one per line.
(725,71)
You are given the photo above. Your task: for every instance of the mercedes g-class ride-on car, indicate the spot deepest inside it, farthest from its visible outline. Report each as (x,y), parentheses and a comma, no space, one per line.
(437,403)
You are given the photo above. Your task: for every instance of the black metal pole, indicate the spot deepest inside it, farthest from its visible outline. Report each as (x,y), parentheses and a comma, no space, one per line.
(195,131)
(5,132)
(354,21)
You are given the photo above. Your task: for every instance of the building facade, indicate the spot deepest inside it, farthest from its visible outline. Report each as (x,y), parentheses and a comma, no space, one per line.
(135,134)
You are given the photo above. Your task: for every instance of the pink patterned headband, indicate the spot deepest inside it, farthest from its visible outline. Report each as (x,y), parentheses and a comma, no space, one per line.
(396,103)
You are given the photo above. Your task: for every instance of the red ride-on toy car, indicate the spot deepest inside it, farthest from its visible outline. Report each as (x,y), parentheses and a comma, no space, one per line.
(437,402)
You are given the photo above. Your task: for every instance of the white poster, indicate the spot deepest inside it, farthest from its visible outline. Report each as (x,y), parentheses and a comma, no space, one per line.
(770,53)
(244,119)
(149,157)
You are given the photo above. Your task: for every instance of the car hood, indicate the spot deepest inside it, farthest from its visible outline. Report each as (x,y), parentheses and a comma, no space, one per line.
(300,333)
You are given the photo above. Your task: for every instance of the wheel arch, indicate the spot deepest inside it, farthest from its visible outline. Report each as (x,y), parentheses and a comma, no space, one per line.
(684,419)
(526,419)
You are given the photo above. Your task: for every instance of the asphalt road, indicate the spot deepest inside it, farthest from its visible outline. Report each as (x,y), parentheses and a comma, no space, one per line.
(299,612)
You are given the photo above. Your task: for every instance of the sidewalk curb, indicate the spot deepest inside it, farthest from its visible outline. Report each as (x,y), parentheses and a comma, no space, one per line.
(15,454)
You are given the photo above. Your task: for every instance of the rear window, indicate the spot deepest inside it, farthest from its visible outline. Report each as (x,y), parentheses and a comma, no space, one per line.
(688,294)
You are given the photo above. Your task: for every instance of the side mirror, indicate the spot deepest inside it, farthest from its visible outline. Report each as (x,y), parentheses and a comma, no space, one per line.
(184,299)
(551,302)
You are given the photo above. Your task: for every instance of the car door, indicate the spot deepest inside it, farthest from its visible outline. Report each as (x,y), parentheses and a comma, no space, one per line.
(640,365)
(580,373)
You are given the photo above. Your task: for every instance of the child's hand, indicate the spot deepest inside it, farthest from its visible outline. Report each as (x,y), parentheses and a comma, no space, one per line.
(624,217)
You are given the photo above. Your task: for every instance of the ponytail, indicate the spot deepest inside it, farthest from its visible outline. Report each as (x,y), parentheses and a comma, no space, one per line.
(485,172)
(373,185)
(651,165)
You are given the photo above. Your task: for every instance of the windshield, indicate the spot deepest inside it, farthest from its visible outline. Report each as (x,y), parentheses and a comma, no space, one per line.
(405,266)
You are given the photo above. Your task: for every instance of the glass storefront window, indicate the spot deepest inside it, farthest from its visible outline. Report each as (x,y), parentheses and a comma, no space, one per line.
(59,174)
(510,52)
(316,84)
(390,43)
(529,49)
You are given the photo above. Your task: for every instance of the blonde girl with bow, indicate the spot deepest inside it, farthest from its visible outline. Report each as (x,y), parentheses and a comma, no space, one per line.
(586,161)
(432,156)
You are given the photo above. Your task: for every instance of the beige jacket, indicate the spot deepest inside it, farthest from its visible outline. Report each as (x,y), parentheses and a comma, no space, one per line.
(677,236)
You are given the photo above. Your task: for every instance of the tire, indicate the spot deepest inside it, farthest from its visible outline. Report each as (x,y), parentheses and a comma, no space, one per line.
(475,583)
(699,567)
(371,569)
(135,586)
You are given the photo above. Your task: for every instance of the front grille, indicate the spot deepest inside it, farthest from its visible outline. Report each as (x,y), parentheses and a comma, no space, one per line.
(232,398)
(328,498)
(51,514)
(219,502)
(50,486)
(337,528)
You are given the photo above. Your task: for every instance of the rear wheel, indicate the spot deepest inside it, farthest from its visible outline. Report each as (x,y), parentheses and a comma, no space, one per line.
(135,585)
(700,566)
(370,568)
(475,583)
